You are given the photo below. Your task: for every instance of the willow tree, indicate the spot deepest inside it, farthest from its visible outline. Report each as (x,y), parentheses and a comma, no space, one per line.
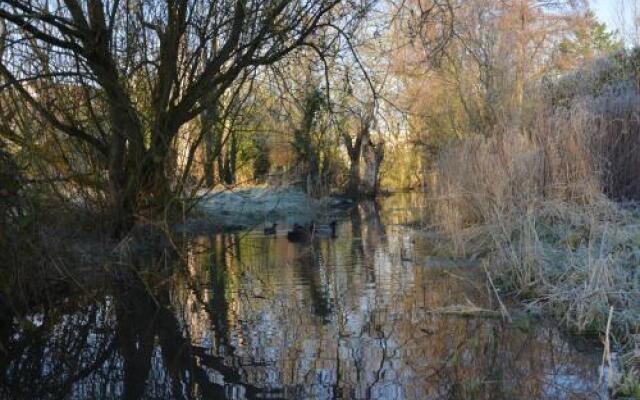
(143,69)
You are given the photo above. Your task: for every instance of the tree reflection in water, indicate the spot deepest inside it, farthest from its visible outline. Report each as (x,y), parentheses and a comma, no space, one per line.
(248,316)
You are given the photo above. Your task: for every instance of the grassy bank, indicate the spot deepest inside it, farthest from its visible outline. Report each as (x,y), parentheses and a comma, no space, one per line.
(537,204)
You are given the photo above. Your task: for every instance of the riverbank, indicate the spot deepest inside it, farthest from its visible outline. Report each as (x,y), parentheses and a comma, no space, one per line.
(248,207)
(575,263)
(534,212)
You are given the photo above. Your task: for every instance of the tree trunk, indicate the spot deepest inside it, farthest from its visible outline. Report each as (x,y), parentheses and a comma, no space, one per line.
(207,121)
(229,175)
(353,185)
(138,180)
(355,149)
(123,206)
(158,178)
(124,171)
(372,155)
(212,134)
(313,171)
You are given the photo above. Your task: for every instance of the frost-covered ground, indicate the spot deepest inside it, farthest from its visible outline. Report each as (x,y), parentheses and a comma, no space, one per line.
(257,206)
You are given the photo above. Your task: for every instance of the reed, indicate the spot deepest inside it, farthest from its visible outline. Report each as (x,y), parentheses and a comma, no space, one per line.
(538,204)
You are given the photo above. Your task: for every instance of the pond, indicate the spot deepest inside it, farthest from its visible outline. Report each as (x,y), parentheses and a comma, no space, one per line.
(370,314)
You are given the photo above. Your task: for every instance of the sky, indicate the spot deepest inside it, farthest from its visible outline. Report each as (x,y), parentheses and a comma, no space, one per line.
(605,11)
(608,11)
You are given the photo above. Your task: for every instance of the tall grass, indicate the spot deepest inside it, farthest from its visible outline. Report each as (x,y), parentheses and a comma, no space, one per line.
(537,203)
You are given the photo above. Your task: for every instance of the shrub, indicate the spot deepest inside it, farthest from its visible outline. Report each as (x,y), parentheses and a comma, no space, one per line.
(537,203)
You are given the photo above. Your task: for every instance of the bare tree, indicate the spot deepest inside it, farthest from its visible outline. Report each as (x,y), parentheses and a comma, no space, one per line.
(354,145)
(372,155)
(144,69)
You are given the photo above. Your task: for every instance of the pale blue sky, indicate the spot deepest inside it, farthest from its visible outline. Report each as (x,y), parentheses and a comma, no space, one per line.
(605,10)
(609,12)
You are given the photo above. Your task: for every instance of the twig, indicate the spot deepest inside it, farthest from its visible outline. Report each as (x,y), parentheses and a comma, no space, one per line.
(606,355)
(503,309)
(462,310)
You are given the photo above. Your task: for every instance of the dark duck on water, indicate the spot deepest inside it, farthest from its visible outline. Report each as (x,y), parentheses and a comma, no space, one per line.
(324,230)
(299,234)
(270,230)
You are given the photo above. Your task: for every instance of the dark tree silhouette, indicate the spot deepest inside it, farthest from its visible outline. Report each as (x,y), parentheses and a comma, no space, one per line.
(142,70)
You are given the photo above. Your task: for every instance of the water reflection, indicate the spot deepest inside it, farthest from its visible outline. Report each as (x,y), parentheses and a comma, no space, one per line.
(249,316)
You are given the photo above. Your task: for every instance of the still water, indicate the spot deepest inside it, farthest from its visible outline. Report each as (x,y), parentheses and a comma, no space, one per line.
(371,314)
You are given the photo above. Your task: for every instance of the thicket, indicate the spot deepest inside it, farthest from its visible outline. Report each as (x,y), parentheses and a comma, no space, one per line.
(551,205)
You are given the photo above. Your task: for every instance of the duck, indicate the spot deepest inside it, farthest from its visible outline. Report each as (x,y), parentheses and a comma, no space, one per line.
(299,234)
(270,230)
(324,230)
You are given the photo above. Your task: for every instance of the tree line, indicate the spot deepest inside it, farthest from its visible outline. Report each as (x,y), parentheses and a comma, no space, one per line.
(137,105)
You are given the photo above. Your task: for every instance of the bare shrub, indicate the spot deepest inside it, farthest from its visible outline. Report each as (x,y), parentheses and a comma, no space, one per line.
(479,177)
(537,203)
(614,132)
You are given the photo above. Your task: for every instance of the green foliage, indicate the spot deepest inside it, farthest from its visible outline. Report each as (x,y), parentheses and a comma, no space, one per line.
(302,136)
(629,388)
(403,168)
(590,40)
(260,155)
(9,175)
(315,144)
